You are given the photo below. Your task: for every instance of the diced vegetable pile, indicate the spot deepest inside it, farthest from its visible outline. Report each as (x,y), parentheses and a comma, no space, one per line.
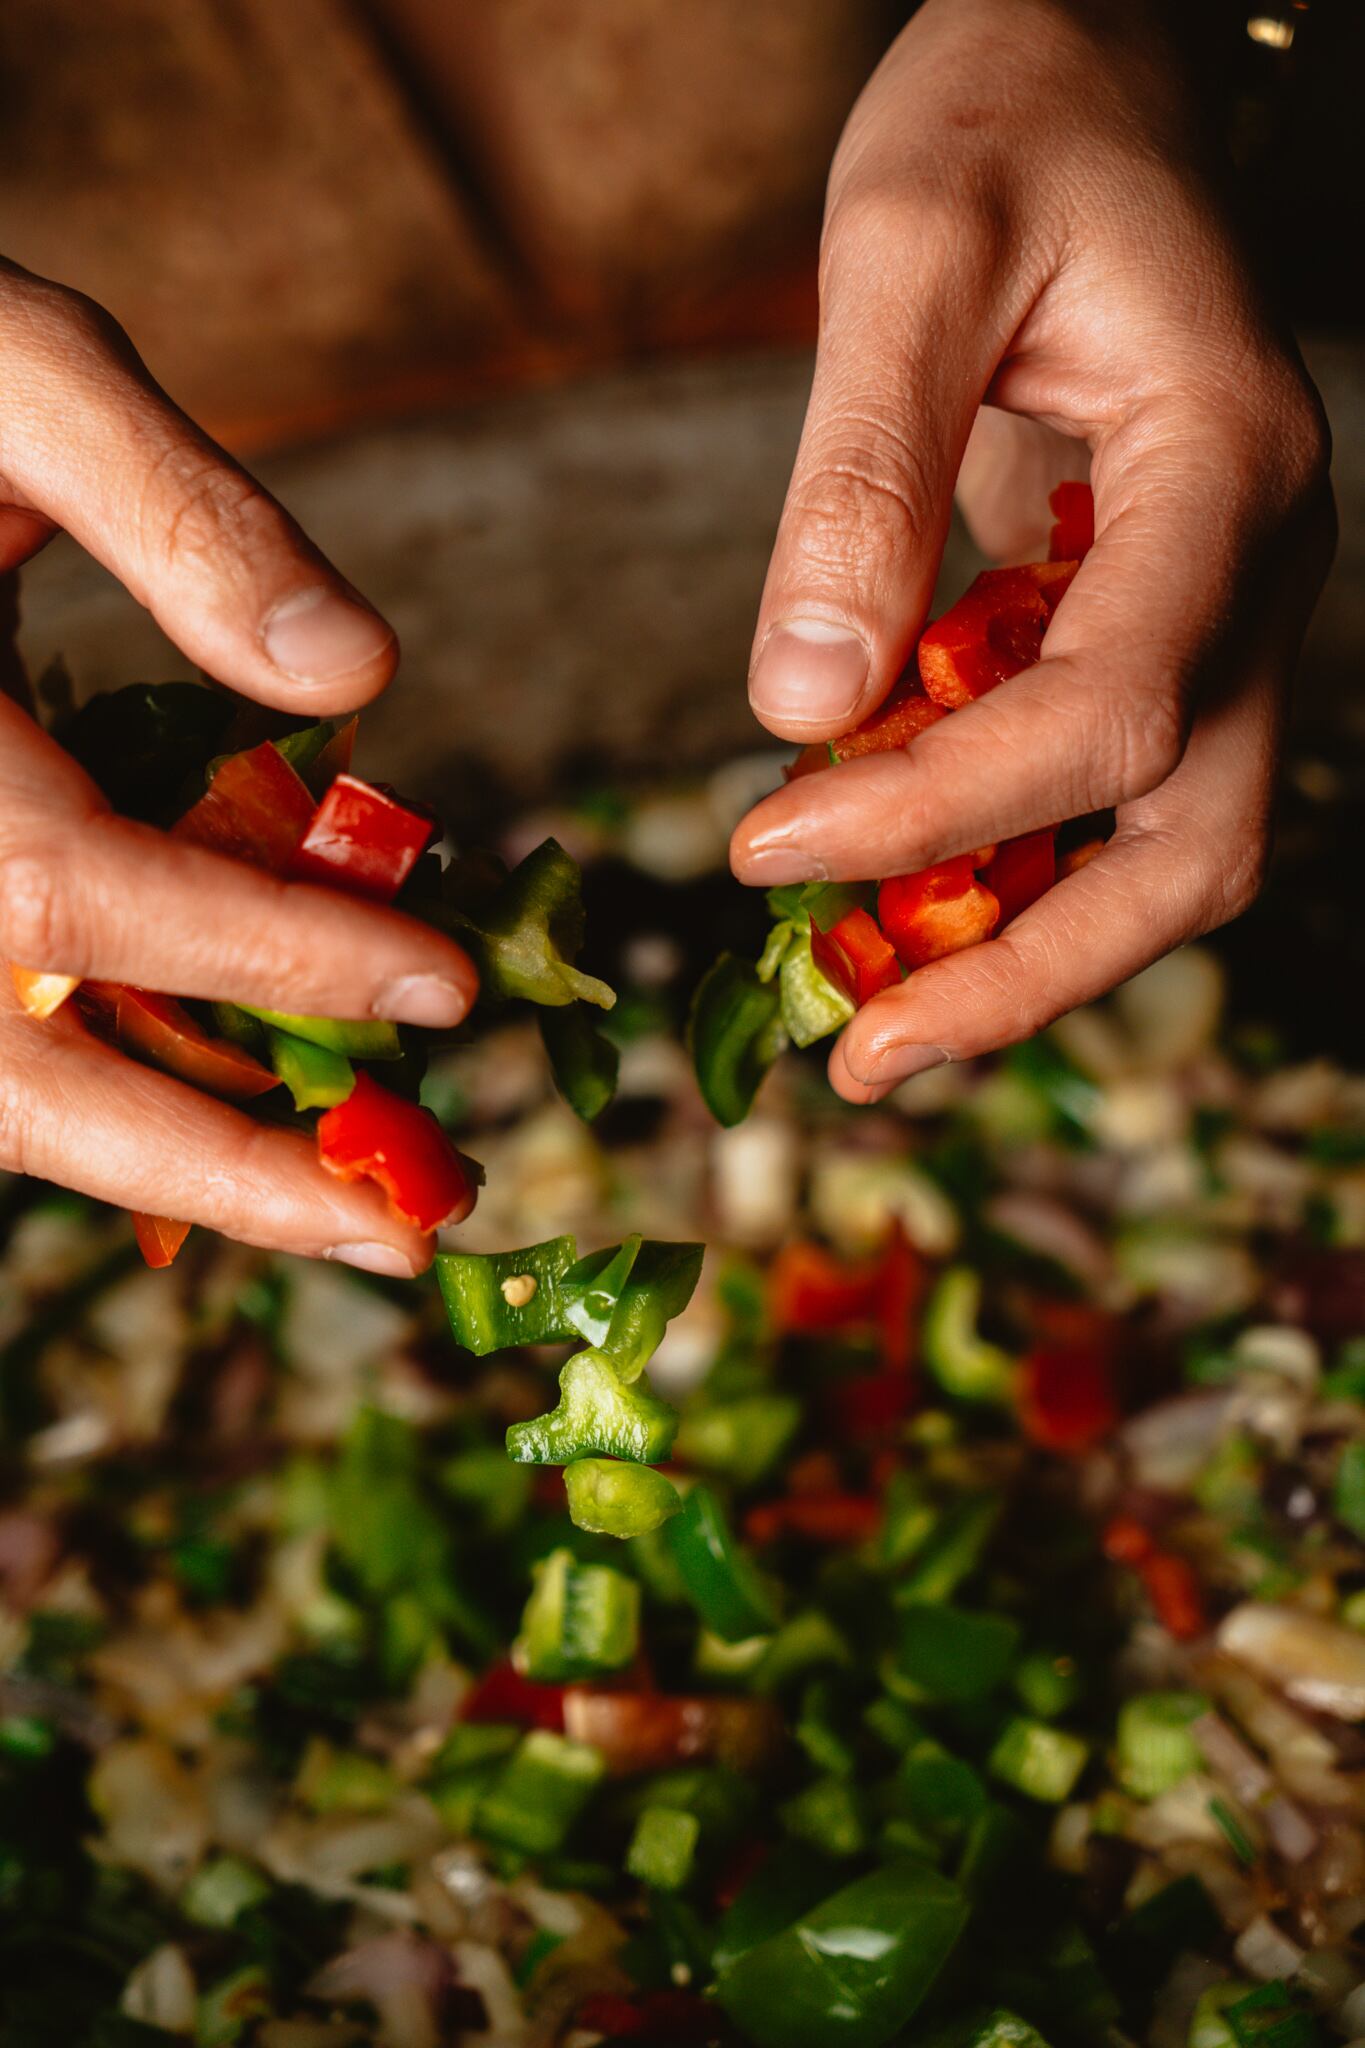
(988,1667)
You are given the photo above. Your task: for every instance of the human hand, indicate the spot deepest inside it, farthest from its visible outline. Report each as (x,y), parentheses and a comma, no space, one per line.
(1024,258)
(88,443)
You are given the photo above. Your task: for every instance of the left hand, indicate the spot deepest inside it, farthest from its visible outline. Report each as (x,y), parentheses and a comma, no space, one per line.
(1024,258)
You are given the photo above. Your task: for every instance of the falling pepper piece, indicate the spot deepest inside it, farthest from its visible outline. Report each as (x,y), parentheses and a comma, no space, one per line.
(159,1238)
(937,911)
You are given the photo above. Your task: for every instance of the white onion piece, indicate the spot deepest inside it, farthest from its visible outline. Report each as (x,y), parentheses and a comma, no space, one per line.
(1280,1348)
(484,1970)
(161,1991)
(1304,1760)
(1055,1232)
(1292,1834)
(1170,1443)
(1227,1754)
(332,1851)
(1313,1660)
(154,1813)
(1171,1010)
(406,1978)
(1350,2014)
(1179,1814)
(1264,1951)
(1070,1835)
(755,1173)
(855,1198)
(1191,1976)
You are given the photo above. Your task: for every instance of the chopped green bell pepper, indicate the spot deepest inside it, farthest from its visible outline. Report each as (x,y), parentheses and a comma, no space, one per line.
(742,1439)
(663,1848)
(598,1414)
(315,1077)
(811,1006)
(1155,1746)
(539,1793)
(364,1038)
(964,1363)
(498,1299)
(525,931)
(1040,1761)
(721,1582)
(613,1498)
(947,1653)
(580,1621)
(734,1034)
(584,1062)
(851,1970)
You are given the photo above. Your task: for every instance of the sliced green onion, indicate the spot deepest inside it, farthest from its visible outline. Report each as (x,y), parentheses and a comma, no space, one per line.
(1240,1842)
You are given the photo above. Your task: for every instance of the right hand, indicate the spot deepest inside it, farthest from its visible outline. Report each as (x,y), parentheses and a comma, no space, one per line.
(90,444)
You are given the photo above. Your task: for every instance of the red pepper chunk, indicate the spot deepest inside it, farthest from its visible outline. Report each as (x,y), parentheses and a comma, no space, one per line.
(159,1238)
(255,809)
(164,1032)
(810,1291)
(1021,871)
(1173,1588)
(907,712)
(361,840)
(815,1518)
(502,1694)
(376,1136)
(938,911)
(1072,506)
(993,632)
(1066,1398)
(854,955)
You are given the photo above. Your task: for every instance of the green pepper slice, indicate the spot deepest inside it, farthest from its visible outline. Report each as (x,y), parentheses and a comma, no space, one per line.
(362,1038)
(597,1414)
(734,1034)
(722,1583)
(316,1078)
(612,1498)
(491,1302)
(584,1062)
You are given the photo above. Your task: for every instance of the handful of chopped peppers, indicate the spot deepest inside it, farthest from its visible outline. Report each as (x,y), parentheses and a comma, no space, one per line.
(834,946)
(291,806)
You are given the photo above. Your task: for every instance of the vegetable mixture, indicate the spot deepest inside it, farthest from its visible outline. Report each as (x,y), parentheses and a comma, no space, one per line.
(986,1662)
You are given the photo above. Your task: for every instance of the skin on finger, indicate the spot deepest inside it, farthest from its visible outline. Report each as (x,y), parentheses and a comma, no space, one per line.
(88,893)
(75,1111)
(92,443)
(1182,861)
(906,351)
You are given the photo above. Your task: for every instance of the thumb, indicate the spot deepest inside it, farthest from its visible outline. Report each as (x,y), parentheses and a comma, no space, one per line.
(92,443)
(905,353)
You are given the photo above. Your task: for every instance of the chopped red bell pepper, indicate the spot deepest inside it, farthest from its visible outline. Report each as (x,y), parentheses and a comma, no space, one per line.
(902,1284)
(1072,505)
(1126,1540)
(502,1694)
(41,994)
(639,1731)
(1173,1588)
(256,809)
(870,1405)
(664,2019)
(163,1031)
(159,1238)
(374,1135)
(1067,1400)
(1023,870)
(811,760)
(815,1518)
(993,632)
(361,840)
(905,714)
(938,911)
(810,1290)
(854,955)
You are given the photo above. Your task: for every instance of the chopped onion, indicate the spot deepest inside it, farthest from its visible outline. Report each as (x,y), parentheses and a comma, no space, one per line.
(405,1977)
(1179,1814)
(161,1991)
(154,1813)
(485,1971)
(1226,1753)
(1279,1348)
(1293,1836)
(1313,1660)
(1053,1231)
(331,1852)
(1070,1834)
(1350,2013)
(1171,1010)
(1264,1951)
(755,1172)
(1170,1443)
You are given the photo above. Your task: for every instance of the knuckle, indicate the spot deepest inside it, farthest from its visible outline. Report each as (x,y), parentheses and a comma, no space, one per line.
(861,495)
(1240,878)
(1149,743)
(213,507)
(35,915)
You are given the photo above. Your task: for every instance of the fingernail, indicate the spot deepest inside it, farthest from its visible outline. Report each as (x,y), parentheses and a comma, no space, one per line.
(374,1258)
(423,999)
(317,635)
(897,1065)
(771,865)
(809,669)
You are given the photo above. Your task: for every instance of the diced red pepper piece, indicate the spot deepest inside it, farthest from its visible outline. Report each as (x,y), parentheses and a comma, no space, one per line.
(811,760)
(904,715)
(361,840)
(810,1290)
(163,1031)
(39,993)
(159,1238)
(1072,506)
(815,1518)
(664,2019)
(374,1135)
(502,1694)
(1066,1397)
(1023,870)
(638,1731)
(993,632)
(1173,1588)
(854,955)
(1126,1540)
(869,1405)
(938,911)
(256,809)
